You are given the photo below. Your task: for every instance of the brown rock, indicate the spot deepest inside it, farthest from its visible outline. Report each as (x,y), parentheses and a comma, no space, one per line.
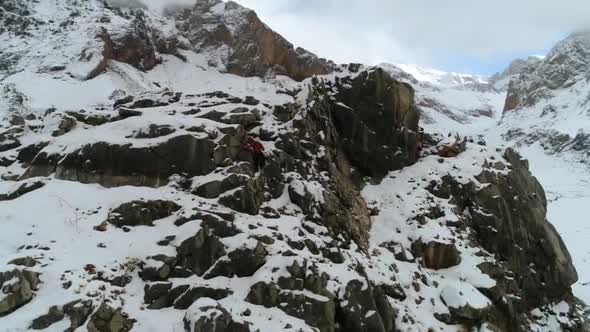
(254,48)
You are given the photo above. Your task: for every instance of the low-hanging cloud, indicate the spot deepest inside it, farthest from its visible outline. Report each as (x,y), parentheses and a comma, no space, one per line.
(421,31)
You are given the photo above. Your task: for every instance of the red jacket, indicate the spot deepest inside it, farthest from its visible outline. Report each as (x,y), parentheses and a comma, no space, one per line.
(255,147)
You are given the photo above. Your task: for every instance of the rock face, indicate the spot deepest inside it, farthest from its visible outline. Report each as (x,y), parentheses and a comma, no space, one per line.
(118,165)
(508,219)
(246,46)
(564,66)
(140,45)
(377,119)
(539,245)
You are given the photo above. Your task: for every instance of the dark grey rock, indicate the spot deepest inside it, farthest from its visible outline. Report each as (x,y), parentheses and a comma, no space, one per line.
(141,213)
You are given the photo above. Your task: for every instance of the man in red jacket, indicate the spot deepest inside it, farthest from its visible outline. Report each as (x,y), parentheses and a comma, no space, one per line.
(257,150)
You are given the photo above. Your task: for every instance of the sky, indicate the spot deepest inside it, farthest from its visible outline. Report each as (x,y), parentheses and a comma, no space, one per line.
(454,35)
(470,36)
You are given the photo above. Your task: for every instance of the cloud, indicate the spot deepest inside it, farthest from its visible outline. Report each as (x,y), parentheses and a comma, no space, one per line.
(422,31)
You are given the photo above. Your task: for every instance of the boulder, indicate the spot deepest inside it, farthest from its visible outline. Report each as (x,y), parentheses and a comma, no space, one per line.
(242,262)
(247,199)
(162,295)
(77,311)
(200,252)
(160,268)
(54,315)
(215,188)
(17,288)
(154,131)
(28,153)
(359,311)
(195,293)
(107,319)
(437,255)
(66,124)
(141,213)
(207,315)
(466,304)
(24,261)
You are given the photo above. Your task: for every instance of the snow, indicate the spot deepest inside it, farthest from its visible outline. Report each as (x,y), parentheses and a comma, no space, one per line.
(462,295)
(440,78)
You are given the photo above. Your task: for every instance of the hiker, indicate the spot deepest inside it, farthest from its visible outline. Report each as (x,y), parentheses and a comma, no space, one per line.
(257,150)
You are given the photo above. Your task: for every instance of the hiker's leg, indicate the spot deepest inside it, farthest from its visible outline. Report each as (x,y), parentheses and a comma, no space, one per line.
(257,162)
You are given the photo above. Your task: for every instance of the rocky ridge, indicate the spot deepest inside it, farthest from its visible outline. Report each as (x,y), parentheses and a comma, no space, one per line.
(549,101)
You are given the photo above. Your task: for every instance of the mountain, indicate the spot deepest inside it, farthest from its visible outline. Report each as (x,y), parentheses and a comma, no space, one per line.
(450,101)
(542,114)
(130,201)
(549,100)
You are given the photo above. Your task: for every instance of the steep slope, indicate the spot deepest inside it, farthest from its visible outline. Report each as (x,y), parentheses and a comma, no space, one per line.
(130,203)
(546,118)
(450,101)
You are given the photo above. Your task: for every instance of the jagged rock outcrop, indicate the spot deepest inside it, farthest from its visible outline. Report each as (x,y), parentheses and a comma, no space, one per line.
(507,216)
(243,44)
(140,45)
(501,80)
(564,66)
(377,120)
(547,103)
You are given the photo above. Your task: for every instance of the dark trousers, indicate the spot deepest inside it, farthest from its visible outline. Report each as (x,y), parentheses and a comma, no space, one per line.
(259,160)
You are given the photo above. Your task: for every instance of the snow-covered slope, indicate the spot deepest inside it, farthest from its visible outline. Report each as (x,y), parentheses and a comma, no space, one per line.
(549,102)
(450,101)
(128,201)
(541,109)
